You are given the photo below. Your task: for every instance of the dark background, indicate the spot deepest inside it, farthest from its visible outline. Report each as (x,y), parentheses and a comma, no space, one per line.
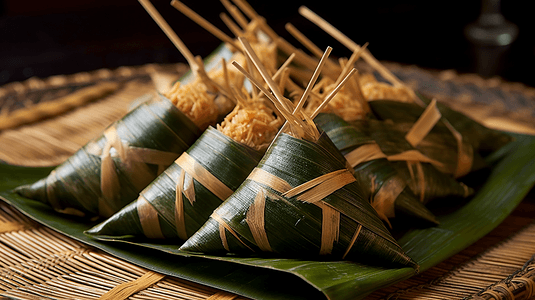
(44,38)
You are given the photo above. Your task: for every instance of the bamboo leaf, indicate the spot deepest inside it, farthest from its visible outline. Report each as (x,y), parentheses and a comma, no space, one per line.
(227,161)
(110,170)
(379,178)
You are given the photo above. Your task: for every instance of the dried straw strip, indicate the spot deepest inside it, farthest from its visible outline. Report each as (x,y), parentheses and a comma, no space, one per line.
(148,217)
(416,156)
(330,228)
(179,207)
(222,296)
(364,153)
(203,176)
(383,201)
(224,226)
(256,222)
(372,151)
(124,290)
(424,124)
(10,226)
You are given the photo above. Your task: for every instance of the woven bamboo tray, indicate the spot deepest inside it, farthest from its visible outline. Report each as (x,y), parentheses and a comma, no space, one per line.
(44,121)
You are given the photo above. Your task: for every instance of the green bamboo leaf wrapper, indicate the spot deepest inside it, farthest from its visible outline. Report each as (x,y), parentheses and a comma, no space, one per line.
(424,180)
(442,146)
(156,128)
(229,161)
(292,227)
(483,139)
(372,174)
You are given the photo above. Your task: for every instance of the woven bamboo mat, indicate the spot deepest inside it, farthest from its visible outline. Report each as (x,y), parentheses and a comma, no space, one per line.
(46,120)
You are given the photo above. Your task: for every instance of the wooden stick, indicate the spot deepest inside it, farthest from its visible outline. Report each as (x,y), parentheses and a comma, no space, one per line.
(251,13)
(285,65)
(204,23)
(287,114)
(351,62)
(236,30)
(316,51)
(311,83)
(313,79)
(354,87)
(235,13)
(300,37)
(366,55)
(332,94)
(255,82)
(284,77)
(210,84)
(302,58)
(264,73)
(170,34)
(247,9)
(227,80)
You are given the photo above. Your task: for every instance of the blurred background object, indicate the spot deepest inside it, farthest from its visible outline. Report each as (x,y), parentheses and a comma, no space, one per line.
(491,36)
(44,38)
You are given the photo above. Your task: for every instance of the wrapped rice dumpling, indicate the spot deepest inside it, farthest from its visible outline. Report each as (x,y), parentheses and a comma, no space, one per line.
(421,173)
(456,155)
(181,199)
(382,185)
(110,171)
(300,201)
(482,139)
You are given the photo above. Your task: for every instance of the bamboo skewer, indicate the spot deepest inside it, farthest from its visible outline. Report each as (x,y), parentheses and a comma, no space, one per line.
(170,34)
(195,62)
(264,90)
(351,45)
(344,40)
(311,83)
(203,23)
(236,30)
(235,13)
(313,80)
(264,73)
(303,40)
(332,93)
(316,51)
(251,13)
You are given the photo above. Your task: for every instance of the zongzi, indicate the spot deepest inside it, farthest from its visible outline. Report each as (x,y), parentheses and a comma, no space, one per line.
(300,201)
(181,199)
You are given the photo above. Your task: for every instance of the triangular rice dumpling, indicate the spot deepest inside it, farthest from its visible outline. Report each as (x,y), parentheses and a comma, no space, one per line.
(110,170)
(483,139)
(181,199)
(382,185)
(421,173)
(300,201)
(441,145)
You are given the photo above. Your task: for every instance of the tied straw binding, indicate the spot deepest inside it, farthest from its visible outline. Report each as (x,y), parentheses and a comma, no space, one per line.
(135,160)
(312,191)
(191,169)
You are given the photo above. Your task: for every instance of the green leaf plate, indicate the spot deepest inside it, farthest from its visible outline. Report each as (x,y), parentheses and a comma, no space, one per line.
(506,183)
